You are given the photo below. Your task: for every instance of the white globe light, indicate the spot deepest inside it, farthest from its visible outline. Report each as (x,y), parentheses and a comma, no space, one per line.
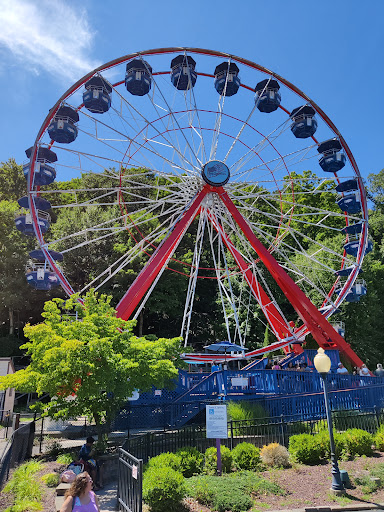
(322,362)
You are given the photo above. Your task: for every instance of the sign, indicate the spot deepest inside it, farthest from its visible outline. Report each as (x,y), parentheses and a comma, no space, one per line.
(240,381)
(216,421)
(157,392)
(134,472)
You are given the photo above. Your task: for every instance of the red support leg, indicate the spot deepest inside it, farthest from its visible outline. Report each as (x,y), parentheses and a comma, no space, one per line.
(320,328)
(158,260)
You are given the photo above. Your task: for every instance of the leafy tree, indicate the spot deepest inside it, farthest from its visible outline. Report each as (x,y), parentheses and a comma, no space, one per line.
(91,365)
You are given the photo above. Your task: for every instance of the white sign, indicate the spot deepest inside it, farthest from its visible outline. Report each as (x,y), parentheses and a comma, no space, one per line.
(240,381)
(157,392)
(216,421)
(134,472)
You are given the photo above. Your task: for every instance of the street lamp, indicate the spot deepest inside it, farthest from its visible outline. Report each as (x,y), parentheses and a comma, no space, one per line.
(323,365)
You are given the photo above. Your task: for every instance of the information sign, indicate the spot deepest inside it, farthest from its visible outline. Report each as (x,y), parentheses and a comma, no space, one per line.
(216,421)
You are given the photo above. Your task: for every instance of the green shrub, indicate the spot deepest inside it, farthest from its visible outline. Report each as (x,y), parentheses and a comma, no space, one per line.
(246,411)
(378,439)
(210,462)
(357,442)
(25,489)
(191,461)
(167,459)
(274,454)
(163,489)
(246,456)
(305,449)
(51,479)
(65,458)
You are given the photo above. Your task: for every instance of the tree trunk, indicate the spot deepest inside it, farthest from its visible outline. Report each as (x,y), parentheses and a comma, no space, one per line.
(141,320)
(11,323)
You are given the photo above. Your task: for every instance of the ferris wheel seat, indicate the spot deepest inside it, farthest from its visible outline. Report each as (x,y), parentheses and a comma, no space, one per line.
(24,224)
(45,280)
(96,101)
(352,248)
(353,229)
(346,271)
(40,203)
(227,81)
(333,162)
(38,254)
(304,128)
(62,131)
(138,79)
(349,203)
(183,74)
(44,174)
(268,101)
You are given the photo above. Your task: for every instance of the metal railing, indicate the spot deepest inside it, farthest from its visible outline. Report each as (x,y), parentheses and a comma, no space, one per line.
(17,449)
(130,482)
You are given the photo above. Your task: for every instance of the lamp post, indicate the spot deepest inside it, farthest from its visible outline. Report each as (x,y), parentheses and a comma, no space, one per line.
(323,365)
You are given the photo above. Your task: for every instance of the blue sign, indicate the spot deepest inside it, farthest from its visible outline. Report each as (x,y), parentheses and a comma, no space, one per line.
(215,173)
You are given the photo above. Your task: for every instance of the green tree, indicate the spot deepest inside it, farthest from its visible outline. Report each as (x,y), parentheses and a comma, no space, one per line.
(90,366)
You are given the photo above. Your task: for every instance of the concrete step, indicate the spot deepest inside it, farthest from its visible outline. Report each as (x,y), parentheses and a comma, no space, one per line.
(61,488)
(59,500)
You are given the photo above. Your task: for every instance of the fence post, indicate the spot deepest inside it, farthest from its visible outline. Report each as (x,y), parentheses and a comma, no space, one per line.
(231,434)
(377,416)
(41,434)
(283,436)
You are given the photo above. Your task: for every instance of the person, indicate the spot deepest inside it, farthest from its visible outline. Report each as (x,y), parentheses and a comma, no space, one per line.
(80,497)
(364,372)
(379,372)
(86,456)
(341,369)
(290,366)
(276,366)
(268,366)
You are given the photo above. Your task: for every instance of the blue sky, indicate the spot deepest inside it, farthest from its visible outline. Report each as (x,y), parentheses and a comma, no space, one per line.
(332,50)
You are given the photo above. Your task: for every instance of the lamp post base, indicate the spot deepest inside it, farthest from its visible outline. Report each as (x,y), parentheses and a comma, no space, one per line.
(338,492)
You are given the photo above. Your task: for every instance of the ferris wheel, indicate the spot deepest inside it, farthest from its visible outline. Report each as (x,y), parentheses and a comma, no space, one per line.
(178,140)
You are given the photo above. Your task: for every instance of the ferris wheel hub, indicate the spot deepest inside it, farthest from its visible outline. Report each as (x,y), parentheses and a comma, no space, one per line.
(215,173)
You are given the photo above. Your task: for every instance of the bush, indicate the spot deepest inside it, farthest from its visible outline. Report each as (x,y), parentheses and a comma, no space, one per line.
(65,458)
(246,456)
(163,489)
(305,449)
(357,442)
(25,489)
(191,461)
(210,462)
(274,454)
(51,479)
(246,411)
(378,439)
(167,459)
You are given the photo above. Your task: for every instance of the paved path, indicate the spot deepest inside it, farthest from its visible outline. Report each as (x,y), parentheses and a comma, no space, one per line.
(108,497)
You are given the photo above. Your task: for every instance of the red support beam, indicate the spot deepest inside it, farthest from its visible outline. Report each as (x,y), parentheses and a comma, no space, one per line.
(321,329)
(159,259)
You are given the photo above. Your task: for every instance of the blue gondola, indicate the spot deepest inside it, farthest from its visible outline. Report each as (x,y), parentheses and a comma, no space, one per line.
(40,203)
(332,160)
(96,97)
(346,271)
(38,255)
(41,278)
(24,224)
(62,128)
(353,229)
(183,74)
(138,78)
(358,290)
(267,96)
(44,174)
(350,203)
(227,81)
(346,186)
(352,247)
(304,123)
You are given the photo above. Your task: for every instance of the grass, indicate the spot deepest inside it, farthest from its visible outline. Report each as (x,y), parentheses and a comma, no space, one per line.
(26,491)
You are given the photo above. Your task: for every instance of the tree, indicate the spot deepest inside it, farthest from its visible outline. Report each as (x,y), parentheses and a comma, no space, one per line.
(90,366)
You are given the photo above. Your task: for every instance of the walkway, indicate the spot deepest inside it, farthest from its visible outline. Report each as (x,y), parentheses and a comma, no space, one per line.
(108,497)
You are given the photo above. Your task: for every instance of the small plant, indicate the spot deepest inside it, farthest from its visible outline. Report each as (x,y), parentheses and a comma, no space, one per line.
(274,454)
(191,461)
(378,439)
(167,459)
(210,463)
(53,449)
(163,489)
(246,456)
(357,442)
(305,449)
(51,479)
(25,489)
(65,458)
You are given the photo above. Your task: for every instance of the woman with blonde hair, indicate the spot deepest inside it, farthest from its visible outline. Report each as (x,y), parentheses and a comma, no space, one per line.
(80,497)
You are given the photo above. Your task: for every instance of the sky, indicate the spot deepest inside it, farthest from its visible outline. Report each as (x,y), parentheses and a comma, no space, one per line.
(332,50)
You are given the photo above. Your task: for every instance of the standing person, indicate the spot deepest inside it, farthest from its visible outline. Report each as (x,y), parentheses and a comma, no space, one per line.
(341,369)
(86,455)
(364,372)
(379,372)
(80,497)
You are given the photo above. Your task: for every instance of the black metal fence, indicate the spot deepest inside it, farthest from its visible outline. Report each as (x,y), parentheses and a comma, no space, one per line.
(259,432)
(17,450)
(130,483)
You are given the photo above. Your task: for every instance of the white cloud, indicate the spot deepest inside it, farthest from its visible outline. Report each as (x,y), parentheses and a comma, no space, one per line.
(47,35)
